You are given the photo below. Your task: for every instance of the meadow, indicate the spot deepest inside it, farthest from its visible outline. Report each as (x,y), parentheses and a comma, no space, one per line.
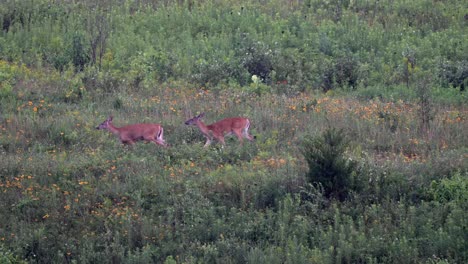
(358,109)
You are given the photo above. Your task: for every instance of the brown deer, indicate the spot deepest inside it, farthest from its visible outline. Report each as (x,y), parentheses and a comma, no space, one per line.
(234,125)
(129,134)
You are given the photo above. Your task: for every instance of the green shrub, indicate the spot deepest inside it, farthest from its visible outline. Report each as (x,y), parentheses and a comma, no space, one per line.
(450,189)
(256,57)
(454,73)
(343,72)
(328,165)
(7,257)
(79,52)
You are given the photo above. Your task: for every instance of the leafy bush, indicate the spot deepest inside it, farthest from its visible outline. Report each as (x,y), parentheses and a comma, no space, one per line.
(328,165)
(256,57)
(214,71)
(344,72)
(78,52)
(8,257)
(454,73)
(451,189)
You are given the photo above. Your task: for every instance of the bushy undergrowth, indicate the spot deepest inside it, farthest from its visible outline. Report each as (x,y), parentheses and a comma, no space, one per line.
(372,171)
(293,46)
(328,167)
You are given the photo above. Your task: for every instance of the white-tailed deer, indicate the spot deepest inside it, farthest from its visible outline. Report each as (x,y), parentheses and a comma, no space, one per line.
(131,133)
(235,125)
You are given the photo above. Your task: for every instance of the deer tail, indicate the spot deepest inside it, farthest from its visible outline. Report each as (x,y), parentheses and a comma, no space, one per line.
(160,134)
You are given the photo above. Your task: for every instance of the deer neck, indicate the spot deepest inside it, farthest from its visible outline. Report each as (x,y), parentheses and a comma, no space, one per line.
(203,128)
(114,130)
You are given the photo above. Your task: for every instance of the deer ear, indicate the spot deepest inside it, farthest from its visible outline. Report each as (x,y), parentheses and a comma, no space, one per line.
(201,115)
(110,118)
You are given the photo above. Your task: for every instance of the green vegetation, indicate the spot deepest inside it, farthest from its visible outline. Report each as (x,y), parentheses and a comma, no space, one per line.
(358,108)
(328,166)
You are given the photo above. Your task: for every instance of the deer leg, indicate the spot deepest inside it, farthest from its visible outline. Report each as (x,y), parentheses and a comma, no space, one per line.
(159,142)
(219,137)
(238,133)
(245,133)
(128,142)
(208,142)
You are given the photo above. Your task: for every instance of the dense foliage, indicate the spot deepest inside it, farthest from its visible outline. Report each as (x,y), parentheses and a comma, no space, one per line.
(358,108)
(290,45)
(328,166)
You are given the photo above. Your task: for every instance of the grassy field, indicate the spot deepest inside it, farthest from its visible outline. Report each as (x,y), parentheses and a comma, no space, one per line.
(361,166)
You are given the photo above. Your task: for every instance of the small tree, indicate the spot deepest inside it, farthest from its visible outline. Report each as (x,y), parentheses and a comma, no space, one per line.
(426,109)
(328,165)
(99,29)
(77,52)
(409,67)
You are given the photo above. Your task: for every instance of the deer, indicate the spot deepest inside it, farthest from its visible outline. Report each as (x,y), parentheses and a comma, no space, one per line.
(130,134)
(234,125)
